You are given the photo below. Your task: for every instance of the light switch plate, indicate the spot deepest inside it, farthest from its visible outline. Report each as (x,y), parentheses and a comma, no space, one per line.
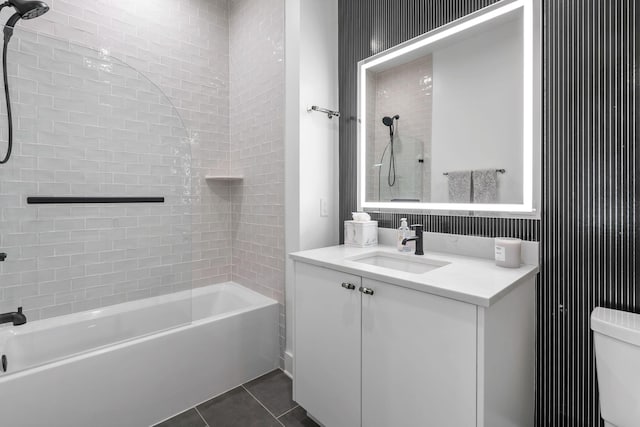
(324,208)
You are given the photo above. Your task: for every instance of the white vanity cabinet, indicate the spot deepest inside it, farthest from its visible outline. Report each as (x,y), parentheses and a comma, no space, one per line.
(418,358)
(393,356)
(327,345)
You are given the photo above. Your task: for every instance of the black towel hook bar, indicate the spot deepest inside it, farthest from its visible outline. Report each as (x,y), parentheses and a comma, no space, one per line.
(497,170)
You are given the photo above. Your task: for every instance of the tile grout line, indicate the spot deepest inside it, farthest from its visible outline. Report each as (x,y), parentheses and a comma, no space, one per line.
(257,400)
(287,411)
(206,424)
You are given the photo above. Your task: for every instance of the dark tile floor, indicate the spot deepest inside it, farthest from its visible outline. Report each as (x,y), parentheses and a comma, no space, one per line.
(263,402)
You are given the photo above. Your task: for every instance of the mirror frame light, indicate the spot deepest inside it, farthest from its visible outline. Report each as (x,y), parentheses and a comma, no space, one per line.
(531,132)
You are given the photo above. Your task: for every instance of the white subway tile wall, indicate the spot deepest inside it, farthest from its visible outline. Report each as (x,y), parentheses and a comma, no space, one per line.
(256,29)
(88,125)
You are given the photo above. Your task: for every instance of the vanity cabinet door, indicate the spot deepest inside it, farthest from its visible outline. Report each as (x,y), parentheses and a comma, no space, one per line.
(327,345)
(418,359)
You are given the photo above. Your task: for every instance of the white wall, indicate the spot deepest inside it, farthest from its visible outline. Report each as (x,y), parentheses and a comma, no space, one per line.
(464,135)
(311,139)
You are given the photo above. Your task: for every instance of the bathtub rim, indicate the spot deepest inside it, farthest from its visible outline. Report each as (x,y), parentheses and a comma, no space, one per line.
(256,299)
(261,302)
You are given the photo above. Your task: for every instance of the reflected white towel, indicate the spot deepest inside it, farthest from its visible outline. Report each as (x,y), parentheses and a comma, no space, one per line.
(485,186)
(459,186)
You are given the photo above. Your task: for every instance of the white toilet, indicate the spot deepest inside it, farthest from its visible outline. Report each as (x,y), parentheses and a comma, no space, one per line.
(616,337)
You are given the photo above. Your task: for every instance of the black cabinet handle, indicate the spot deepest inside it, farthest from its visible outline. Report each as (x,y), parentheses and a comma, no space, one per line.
(366,290)
(349,286)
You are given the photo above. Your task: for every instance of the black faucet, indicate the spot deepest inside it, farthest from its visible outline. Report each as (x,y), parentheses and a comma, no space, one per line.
(417,238)
(16,317)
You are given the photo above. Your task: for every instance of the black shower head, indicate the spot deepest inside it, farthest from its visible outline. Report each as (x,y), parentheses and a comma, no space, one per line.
(29,9)
(388,121)
(25,9)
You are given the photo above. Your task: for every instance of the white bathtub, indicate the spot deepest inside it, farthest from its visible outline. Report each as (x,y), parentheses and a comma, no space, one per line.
(111,367)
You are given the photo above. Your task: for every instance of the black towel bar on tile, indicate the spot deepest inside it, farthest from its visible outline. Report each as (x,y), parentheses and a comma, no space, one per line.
(37,200)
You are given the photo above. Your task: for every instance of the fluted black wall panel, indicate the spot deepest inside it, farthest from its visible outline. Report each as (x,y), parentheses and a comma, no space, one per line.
(524,229)
(588,229)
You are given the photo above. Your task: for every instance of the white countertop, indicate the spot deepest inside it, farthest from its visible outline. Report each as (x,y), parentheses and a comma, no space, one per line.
(472,280)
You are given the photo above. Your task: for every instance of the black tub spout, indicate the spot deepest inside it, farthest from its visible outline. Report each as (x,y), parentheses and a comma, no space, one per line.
(17,317)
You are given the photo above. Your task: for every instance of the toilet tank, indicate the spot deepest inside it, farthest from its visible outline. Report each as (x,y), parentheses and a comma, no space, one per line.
(617,345)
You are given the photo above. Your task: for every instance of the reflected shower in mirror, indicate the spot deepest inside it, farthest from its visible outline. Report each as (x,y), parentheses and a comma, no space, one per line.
(400,152)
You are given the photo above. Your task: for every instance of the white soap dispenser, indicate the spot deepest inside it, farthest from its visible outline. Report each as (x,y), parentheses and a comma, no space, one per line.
(403,233)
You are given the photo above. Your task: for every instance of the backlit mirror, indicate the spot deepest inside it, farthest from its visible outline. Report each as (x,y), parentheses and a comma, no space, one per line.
(451,120)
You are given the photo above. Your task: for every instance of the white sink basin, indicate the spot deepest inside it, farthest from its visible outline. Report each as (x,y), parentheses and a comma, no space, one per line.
(415,264)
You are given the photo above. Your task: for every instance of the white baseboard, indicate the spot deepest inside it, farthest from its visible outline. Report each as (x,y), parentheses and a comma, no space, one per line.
(288,363)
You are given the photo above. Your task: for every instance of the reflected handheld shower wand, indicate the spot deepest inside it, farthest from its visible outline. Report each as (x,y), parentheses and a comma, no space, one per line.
(25,9)
(391,176)
(388,121)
